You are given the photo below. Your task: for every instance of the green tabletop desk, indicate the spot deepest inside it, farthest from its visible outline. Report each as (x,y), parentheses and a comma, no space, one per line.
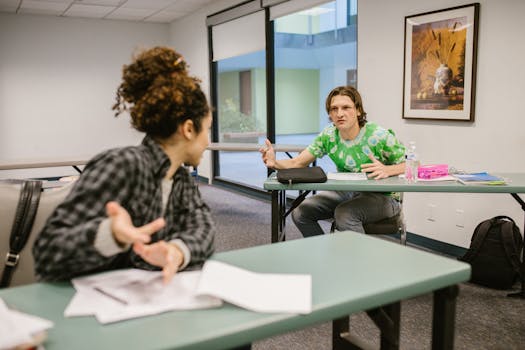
(345,279)
(515,184)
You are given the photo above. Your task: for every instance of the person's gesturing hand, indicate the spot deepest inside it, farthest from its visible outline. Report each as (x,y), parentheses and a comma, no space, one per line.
(376,169)
(268,154)
(123,229)
(161,254)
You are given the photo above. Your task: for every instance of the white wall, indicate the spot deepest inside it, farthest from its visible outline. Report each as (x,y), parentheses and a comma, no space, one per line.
(58,82)
(494,142)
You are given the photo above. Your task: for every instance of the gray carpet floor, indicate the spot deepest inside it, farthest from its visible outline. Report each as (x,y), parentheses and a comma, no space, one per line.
(485,318)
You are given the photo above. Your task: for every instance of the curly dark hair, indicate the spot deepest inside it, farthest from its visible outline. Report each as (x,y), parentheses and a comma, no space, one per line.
(159,93)
(354,95)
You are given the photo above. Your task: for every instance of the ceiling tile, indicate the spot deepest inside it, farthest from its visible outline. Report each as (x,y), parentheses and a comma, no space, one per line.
(42,7)
(62,1)
(9,5)
(148,4)
(184,5)
(165,16)
(114,3)
(130,14)
(162,11)
(88,11)
(202,3)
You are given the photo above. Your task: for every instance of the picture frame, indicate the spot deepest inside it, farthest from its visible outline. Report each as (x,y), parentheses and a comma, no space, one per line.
(440,64)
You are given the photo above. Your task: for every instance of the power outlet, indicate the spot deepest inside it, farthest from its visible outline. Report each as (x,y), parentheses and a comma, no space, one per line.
(460,218)
(431,212)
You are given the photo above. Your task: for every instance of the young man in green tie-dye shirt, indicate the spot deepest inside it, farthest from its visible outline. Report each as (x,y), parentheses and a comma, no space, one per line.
(354,145)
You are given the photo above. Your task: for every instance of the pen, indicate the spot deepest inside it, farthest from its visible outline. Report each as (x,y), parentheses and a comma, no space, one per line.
(117,299)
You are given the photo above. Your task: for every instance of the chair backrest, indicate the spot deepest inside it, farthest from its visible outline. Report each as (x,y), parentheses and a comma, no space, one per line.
(388,226)
(9,195)
(393,225)
(385,226)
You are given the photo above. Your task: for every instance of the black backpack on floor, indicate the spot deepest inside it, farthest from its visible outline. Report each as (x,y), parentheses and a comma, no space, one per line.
(495,252)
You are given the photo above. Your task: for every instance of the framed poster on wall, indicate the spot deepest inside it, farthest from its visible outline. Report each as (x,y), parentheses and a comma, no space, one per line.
(440,64)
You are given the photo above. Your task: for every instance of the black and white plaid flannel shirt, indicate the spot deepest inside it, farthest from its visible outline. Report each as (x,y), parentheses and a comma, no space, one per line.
(132,177)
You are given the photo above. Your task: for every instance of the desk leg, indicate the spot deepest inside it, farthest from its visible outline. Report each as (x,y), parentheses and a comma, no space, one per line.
(340,334)
(275,216)
(387,318)
(282,217)
(278,219)
(444,317)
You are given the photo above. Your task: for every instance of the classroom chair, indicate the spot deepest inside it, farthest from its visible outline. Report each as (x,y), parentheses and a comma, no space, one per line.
(9,196)
(389,226)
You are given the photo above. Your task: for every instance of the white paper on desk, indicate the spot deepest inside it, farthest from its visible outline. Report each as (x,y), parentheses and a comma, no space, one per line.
(18,328)
(87,302)
(441,178)
(260,292)
(347,176)
(124,294)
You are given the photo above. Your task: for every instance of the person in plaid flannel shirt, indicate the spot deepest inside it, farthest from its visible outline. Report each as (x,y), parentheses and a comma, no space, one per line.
(138,206)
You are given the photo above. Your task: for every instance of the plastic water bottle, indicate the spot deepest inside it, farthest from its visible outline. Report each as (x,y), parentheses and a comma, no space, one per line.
(412,163)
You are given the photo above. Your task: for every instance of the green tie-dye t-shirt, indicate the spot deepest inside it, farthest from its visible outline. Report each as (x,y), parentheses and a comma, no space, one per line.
(349,155)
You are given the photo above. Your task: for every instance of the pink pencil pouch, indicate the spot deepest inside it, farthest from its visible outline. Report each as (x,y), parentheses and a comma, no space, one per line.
(432,171)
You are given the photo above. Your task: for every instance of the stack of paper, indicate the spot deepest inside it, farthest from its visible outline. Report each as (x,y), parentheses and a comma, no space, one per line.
(20,330)
(124,294)
(482,178)
(347,176)
(441,178)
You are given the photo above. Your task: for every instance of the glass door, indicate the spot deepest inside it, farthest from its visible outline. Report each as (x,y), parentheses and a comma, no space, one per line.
(308,46)
(315,51)
(240,58)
